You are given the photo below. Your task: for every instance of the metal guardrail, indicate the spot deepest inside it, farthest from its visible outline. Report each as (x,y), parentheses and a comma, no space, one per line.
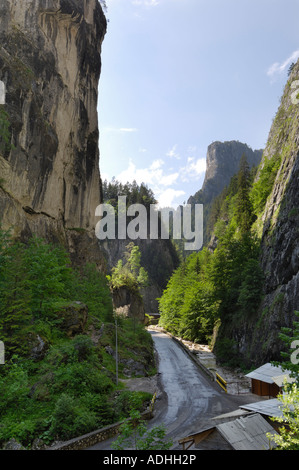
(220,381)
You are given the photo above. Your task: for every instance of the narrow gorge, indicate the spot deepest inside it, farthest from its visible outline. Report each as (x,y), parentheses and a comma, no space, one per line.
(68,351)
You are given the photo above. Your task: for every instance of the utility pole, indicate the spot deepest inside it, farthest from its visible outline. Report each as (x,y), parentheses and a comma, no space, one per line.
(116,350)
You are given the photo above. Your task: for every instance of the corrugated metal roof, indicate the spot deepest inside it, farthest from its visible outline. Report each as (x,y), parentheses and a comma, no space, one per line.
(229,416)
(270,374)
(248,433)
(270,408)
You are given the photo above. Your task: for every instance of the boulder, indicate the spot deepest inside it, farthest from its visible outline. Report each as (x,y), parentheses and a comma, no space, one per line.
(74,318)
(128,303)
(13,444)
(38,347)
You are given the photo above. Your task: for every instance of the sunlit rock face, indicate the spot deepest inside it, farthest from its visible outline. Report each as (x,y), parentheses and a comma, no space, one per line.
(258,335)
(222,163)
(50,64)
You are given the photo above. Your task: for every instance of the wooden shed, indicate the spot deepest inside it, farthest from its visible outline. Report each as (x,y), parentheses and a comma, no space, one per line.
(268,380)
(249,432)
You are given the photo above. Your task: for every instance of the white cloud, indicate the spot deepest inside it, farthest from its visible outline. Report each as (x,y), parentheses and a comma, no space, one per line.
(153,176)
(147,3)
(167,197)
(150,176)
(128,129)
(156,178)
(278,68)
(194,169)
(172,153)
(119,129)
(168,180)
(199,166)
(156,164)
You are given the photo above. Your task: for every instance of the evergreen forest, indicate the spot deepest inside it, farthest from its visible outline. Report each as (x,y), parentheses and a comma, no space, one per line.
(223,283)
(58,383)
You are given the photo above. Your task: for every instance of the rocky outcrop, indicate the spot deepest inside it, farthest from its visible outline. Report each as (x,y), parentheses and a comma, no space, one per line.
(13,444)
(158,257)
(222,162)
(73,318)
(128,303)
(50,64)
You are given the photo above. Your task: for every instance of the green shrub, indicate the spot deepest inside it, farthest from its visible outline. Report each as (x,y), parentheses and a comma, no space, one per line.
(63,417)
(263,186)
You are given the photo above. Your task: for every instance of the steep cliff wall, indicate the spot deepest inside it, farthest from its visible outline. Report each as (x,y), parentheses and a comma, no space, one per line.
(278,228)
(158,257)
(223,162)
(50,64)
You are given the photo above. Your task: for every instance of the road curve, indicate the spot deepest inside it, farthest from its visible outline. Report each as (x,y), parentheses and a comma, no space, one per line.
(191,398)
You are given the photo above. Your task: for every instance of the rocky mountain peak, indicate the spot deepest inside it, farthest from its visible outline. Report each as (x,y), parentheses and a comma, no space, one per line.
(223,160)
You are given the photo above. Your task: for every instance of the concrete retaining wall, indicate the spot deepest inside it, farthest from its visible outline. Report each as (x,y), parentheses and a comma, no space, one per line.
(207,371)
(92,438)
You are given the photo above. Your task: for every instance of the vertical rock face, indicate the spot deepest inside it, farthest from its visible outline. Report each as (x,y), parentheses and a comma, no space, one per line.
(223,161)
(278,226)
(50,64)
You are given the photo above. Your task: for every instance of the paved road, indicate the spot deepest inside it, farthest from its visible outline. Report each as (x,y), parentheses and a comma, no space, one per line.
(189,399)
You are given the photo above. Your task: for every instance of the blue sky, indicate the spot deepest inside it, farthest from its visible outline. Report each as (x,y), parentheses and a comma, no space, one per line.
(178,75)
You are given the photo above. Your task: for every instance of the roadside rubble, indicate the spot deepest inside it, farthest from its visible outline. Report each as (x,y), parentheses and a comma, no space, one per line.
(236,382)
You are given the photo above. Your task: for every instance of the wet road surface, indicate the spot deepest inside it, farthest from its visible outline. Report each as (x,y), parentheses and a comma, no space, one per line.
(189,398)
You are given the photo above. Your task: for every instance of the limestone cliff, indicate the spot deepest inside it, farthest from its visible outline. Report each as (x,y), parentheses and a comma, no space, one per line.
(158,257)
(278,228)
(50,64)
(222,162)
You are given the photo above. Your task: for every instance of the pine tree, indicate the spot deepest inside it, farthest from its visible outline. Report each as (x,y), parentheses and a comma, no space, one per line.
(48,269)
(15,299)
(244,212)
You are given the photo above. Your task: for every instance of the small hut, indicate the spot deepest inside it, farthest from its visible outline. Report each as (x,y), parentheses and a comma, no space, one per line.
(268,380)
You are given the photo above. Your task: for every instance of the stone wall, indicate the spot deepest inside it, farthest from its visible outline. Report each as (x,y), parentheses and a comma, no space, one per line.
(92,438)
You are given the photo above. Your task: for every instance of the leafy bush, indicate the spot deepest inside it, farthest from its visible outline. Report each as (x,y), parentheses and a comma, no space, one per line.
(263,186)
(36,281)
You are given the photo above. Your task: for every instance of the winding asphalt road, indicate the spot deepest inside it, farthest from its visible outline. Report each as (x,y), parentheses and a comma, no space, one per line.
(189,398)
